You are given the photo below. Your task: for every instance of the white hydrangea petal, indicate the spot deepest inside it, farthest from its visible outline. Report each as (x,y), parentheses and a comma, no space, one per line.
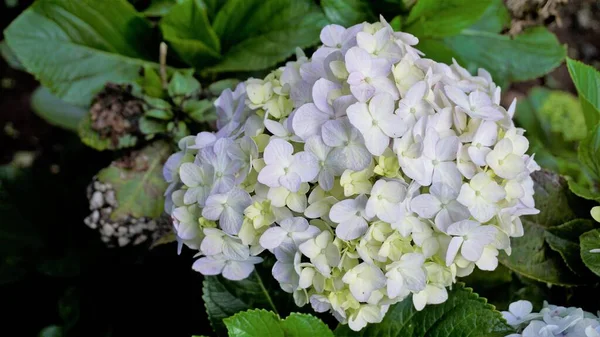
(209,266)
(308,120)
(351,229)
(331,35)
(320,91)
(472,249)
(343,210)
(334,133)
(306,165)
(191,174)
(273,237)
(426,205)
(235,250)
(237,270)
(278,152)
(520,308)
(270,175)
(231,221)
(297,202)
(376,141)
(290,180)
(453,249)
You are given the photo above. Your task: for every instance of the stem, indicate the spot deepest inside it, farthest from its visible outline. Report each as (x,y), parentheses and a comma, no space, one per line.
(262,286)
(163,64)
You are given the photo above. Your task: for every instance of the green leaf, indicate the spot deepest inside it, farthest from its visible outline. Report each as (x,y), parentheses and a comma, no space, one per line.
(158,8)
(348,12)
(588,152)
(223,298)
(262,323)
(216,88)
(200,111)
(149,126)
(9,56)
(151,83)
(495,18)
(187,29)
(434,18)
(75,47)
(590,243)
(159,114)
(531,256)
(139,188)
(56,111)
(587,82)
(157,103)
(564,239)
(182,85)
(257,34)
(254,323)
(529,55)
(463,314)
(300,325)
(51,331)
(583,191)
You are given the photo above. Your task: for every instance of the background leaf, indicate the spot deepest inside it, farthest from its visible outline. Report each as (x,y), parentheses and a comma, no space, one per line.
(530,54)
(139,186)
(463,314)
(90,43)
(256,34)
(495,18)
(590,241)
(587,82)
(564,239)
(434,18)
(531,256)
(56,111)
(589,152)
(188,31)
(348,12)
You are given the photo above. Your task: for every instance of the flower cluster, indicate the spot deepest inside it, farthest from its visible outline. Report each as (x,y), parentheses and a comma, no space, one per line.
(368,171)
(551,321)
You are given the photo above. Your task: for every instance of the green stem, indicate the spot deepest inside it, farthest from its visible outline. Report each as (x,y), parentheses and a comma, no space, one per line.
(262,286)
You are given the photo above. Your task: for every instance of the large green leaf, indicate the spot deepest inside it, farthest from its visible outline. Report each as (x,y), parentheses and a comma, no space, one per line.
(590,250)
(348,12)
(564,239)
(254,323)
(587,82)
(529,55)
(138,182)
(75,47)
(589,152)
(9,56)
(495,18)
(257,34)
(531,255)
(56,111)
(463,314)
(434,18)
(262,323)
(187,29)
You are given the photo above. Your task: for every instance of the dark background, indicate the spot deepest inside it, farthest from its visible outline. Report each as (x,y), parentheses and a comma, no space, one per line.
(55,271)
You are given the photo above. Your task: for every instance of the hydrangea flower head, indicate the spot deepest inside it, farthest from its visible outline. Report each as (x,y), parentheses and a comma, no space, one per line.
(369,172)
(551,321)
